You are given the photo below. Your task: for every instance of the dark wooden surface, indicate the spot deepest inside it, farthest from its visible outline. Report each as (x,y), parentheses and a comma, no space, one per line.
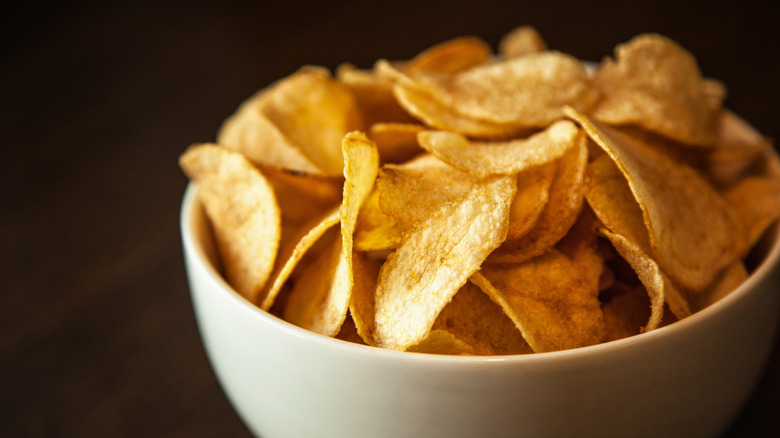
(97,334)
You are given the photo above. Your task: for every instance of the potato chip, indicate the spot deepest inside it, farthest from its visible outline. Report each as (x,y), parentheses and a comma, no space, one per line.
(655,83)
(756,200)
(737,149)
(559,214)
(374,95)
(533,193)
(581,246)
(361,305)
(436,259)
(396,142)
(242,208)
(521,41)
(320,298)
(302,196)
(694,232)
(410,192)
(296,124)
(481,158)
(291,255)
(480,323)
(375,230)
(451,56)
(441,342)
(554,308)
(626,312)
(528,91)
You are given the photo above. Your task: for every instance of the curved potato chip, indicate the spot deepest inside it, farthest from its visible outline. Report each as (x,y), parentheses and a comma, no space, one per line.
(529,91)
(626,312)
(533,193)
(375,230)
(756,199)
(374,95)
(303,196)
(450,57)
(730,279)
(521,41)
(242,208)
(559,214)
(320,299)
(481,158)
(694,232)
(480,323)
(657,84)
(659,286)
(396,142)
(554,308)
(290,255)
(296,124)
(738,147)
(581,246)
(361,303)
(410,192)
(441,342)
(436,259)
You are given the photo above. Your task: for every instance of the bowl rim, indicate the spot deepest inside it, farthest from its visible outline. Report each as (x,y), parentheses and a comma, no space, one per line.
(191,207)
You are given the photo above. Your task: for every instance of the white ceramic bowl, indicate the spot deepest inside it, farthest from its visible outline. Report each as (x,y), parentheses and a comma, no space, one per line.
(688,379)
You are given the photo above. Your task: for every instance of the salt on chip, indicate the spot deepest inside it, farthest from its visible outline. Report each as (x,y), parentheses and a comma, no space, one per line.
(560,212)
(694,232)
(242,208)
(296,124)
(450,57)
(436,259)
(554,308)
(656,83)
(481,158)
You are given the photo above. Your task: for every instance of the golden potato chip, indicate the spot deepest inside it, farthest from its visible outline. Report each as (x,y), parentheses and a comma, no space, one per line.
(480,323)
(411,191)
(559,214)
(521,41)
(375,230)
(441,342)
(626,312)
(361,304)
(296,124)
(374,95)
(729,279)
(737,149)
(396,142)
(436,259)
(655,83)
(320,299)
(302,196)
(529,91)
(756,200)
(481,158)
(554,308)
(694,232)
(533,193)
(242,208)
(581,246)
(450,57)
(291,255)
(610,198)
(659,286)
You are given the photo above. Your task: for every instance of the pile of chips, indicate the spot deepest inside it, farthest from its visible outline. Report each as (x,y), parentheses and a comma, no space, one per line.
(468,201)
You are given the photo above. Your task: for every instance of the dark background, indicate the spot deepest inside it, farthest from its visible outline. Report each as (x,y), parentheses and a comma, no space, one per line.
(97,334)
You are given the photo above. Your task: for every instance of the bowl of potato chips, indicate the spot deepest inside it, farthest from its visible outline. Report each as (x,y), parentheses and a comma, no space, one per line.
(487,243)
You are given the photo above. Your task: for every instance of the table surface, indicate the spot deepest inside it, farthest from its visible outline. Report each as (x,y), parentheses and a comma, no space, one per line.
(97,333)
